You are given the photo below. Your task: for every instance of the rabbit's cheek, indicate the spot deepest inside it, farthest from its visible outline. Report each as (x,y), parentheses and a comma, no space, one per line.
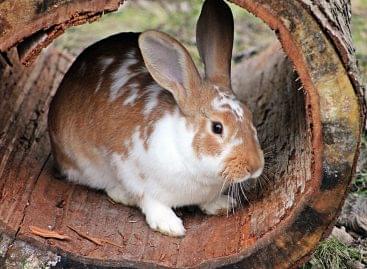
(236,165)
(205,143)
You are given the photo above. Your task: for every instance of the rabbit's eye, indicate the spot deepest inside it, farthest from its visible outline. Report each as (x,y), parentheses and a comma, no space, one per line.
(217,127)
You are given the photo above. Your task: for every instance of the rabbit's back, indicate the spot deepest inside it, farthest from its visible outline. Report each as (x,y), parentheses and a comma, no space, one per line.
(104,99)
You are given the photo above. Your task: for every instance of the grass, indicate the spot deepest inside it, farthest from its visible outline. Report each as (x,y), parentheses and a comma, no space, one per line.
(334,254)
(177,18)
(359,34)
(361,183)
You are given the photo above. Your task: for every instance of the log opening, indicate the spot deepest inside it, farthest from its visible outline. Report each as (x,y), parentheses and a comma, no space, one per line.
(308,121)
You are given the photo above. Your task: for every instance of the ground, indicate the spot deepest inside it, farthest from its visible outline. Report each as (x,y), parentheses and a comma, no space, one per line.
(347,247)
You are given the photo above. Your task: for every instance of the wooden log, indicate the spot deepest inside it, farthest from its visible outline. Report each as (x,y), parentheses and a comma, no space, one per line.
(308,108)
(33,25)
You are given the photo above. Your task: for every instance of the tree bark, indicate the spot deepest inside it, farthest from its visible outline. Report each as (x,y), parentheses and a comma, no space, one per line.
(33,25)
(335,19)
(308,108)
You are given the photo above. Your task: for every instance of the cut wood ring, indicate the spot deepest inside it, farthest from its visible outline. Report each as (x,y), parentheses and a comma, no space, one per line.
(315,132)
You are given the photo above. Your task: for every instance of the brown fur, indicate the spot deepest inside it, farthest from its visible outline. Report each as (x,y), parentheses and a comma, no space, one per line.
(84,119)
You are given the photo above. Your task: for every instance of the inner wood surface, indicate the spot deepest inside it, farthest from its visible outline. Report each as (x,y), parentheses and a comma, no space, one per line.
(30,195)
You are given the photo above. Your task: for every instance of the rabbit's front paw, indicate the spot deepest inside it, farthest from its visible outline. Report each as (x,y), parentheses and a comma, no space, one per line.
(162,218)
(219,206)
(166,222)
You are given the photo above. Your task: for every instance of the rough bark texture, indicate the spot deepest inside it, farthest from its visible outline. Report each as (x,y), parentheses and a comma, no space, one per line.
(309,120)
(33,24)
(335,18)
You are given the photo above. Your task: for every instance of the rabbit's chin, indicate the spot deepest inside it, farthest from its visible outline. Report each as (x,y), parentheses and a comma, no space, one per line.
(249,176)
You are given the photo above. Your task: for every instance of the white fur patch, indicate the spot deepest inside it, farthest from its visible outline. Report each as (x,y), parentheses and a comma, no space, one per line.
(95,174)
(152,91)
(172,173)
(235,142)
(99,83)
(128,172)
(104,64)
(255,133)
(160,217)
(223,100)
(133,94)
(122,75)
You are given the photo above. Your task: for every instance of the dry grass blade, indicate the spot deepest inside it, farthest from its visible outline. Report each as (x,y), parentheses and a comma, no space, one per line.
(94,240)
(47,233)
(111,243)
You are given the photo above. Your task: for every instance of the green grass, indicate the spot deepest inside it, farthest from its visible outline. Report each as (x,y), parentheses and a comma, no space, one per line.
(361,183)
(334,254)
(359,34)
(177,18)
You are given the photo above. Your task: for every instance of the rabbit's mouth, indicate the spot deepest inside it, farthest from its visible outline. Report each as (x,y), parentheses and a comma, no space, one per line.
(230,174)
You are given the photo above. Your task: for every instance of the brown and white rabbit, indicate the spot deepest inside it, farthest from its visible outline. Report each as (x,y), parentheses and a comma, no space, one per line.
(133,117)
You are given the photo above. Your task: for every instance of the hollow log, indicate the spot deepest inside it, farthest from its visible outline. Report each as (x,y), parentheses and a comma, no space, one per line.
(308,108)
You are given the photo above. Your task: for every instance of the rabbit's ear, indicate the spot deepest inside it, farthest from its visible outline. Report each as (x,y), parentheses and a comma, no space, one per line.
(214,37)
(170,65)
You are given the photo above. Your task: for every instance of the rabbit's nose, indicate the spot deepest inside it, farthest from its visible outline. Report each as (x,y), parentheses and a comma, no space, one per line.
(257,173)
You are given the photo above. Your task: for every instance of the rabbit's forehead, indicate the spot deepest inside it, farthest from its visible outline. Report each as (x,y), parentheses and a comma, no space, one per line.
(224,101)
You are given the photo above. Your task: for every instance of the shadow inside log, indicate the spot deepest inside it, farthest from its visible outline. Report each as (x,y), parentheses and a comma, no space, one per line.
(269,85)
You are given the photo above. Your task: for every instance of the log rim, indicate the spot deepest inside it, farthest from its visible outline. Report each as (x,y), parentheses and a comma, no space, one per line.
(265,10)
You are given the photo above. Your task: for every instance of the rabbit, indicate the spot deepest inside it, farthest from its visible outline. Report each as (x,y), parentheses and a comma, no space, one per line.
(133,117)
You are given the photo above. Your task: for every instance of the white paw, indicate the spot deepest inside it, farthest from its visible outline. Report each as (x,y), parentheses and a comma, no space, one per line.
(222,205)
(165,221)
(119,195)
